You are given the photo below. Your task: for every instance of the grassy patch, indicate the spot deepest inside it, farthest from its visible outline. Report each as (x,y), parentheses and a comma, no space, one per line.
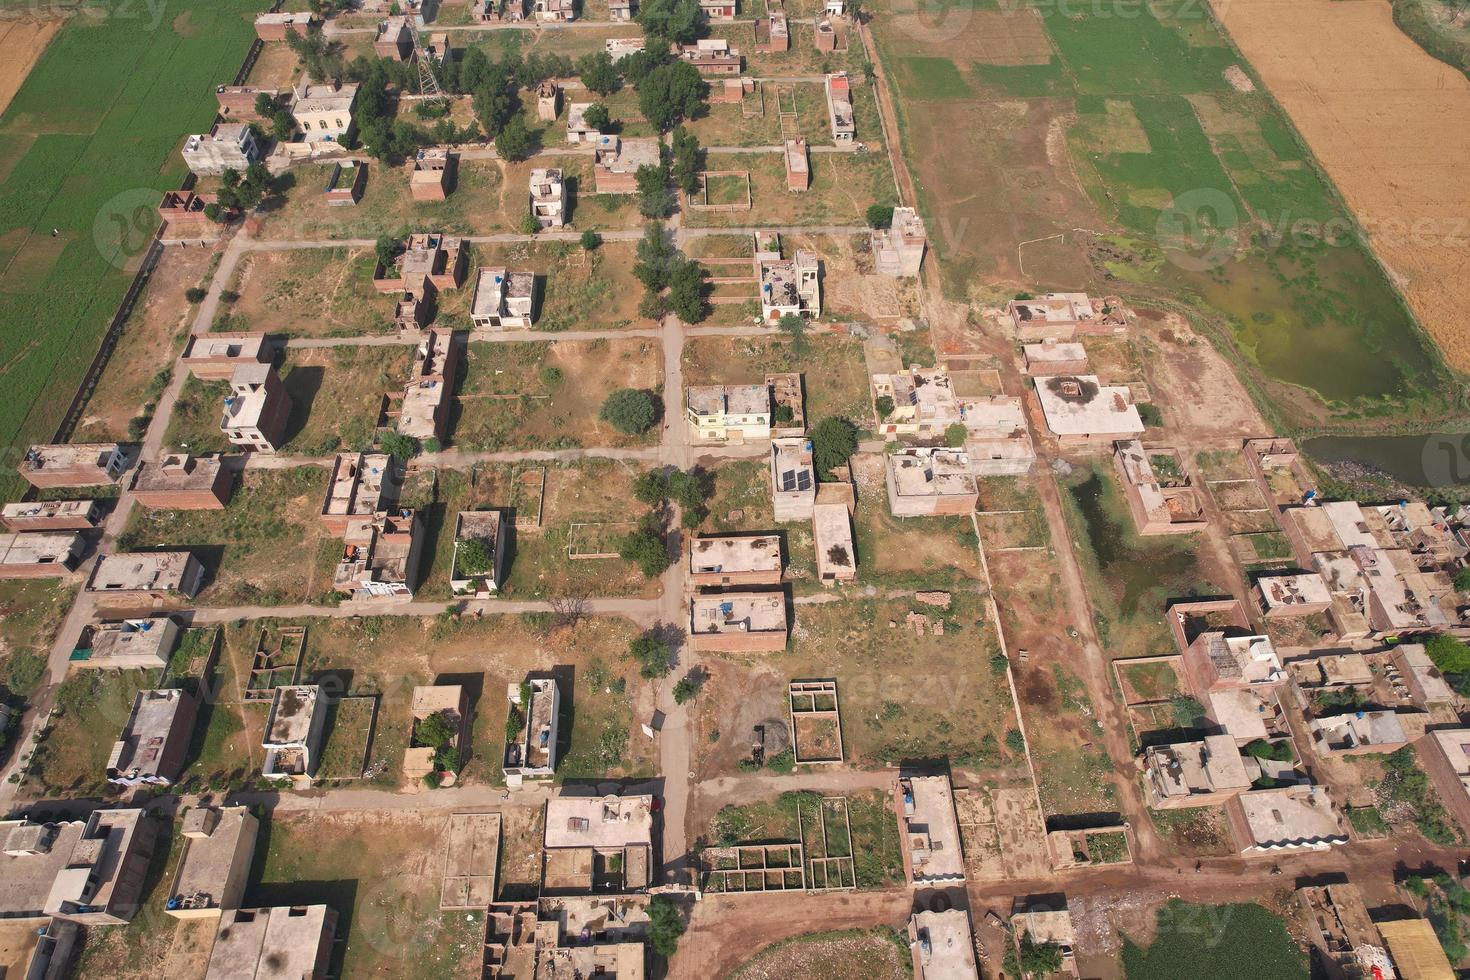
(1243,940)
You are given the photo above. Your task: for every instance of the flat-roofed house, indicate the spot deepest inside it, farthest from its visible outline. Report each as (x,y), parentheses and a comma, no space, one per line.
(791,287)
(615,162)
(214,357)
(1445,755)
(839,108)
(711,57)
(554,11)
(179,481)
(1361,732)
(832,536)
(293,733)
(996,437)
(256,409)
(942,945)
(777,31)
(1215,660)
(718,9)
(345,184)
(578,129)
(91,464)
(930,829)
(1199,773)
(1161,496)
(798,165)
(721,413)
(1054,315)
(186,219)
(52,515)
(323,110)
(431,261)
(40,554)
(1427,686)
(548,101)
(476,531)
(89,872)
(824,35)
(275,25)
(898,250)
(451,703)
(286,942)
(621,11)
(738,622)
(618,48)
(532,755)
(216,848)
(601,844)
(1288,818)
(155,741)
(793,479)
(504,300)
(362,484)
(737,559)
(142,644)
(1299,594)
(922,400)
(428,395)
(926,482)
(1044,925)
(548,197)
(380,556)
(227,146)
(430,174)
(1079,408)
(156,575)
(394,39)
(1051,356)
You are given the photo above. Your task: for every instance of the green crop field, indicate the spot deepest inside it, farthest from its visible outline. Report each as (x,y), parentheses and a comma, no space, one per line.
(85,148)
(1173,142)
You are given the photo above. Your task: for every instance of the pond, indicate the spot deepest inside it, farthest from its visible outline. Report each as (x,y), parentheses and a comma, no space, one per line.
(1439,459)
(1137,575)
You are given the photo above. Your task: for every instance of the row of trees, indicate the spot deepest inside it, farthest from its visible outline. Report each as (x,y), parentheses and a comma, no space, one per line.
(672,282)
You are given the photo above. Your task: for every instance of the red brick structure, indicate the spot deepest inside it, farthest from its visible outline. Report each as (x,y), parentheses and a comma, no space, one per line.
(52,515)
(184,217)
(74,465)
(214,357)
(182,482)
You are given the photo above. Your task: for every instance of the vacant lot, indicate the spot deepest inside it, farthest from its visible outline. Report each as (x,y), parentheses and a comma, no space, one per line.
(318,292)
(336,395)
(273,514)
(30,614)
(382,873)
(879,954)
(834,377)
(547,395)
(576,290)
(916,552)
(843,185)
(1130,578)
(87,154)
(1250,942)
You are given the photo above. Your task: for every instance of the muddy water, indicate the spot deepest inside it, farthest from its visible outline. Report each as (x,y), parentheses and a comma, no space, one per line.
(1130,572)
(1440,459)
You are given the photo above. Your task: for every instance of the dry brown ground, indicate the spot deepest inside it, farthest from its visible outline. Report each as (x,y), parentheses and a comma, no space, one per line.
(23,40)
(150,340)
(1363,94)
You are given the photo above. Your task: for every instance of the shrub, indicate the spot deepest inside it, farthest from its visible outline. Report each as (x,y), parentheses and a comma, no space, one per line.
(1015,741)
(1450,655)
(629,410)
(687,688)
(475,557)
(665,925)
(590,240)
(195,294)
(652,654)
(884,404)
(955,435)
(645,548)
(880,216)
(398,445)
(550,376)
(597,116)
(1150,414)
(435,731)
(783,762)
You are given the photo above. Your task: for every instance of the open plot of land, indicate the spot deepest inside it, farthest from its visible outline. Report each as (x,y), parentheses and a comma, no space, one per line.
(266,547)
(586,492)
(843,185)
(336,394)
(1197,831)
(94,705)
(1129,577)
(547,395)
(861,847)
(917,552)
(140,367)
(382,873)
(30,614)
(319,292)
(834,377)
(906,696)
(88,153)
(577,290)
(389,656)
(879,953)
(348,745)
(758,121)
